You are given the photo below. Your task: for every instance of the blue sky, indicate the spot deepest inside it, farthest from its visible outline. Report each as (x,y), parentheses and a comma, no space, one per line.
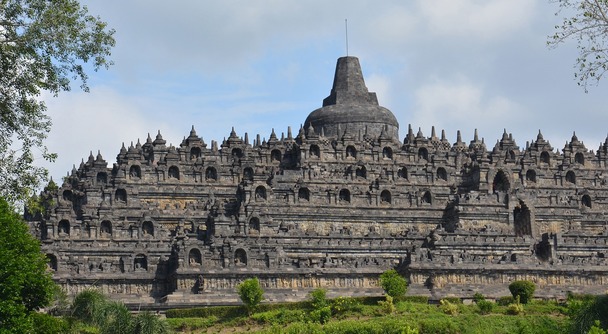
(259,65)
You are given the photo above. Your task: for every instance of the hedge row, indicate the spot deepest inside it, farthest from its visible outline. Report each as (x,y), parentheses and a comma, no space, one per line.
(225,312)
(222,312)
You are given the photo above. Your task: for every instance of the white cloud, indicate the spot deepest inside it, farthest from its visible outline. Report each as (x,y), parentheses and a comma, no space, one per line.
(477,18)
(380,85)
(390,28)
(456,64)
(460,104)
(101,120)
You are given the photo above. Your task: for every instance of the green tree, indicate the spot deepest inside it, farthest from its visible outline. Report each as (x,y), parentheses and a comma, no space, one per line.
(393,284)
(251,293)
(588,26)
(522,289)
(44,44)
(48,324)
(25,283)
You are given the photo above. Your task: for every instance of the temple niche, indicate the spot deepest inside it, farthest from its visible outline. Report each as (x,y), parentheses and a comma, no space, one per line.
(522,220)
(332,204)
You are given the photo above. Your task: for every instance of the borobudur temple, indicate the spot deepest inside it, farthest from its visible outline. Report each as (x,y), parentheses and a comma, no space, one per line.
(330,206)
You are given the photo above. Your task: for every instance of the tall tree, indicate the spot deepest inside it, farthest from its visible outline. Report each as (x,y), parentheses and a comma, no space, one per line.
(44,45)
(586,22)
(25,284)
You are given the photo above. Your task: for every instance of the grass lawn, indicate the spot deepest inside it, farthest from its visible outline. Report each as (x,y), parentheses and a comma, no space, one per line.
(350,315)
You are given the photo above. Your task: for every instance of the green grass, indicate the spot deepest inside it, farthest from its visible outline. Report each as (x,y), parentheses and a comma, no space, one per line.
(191,324)
(367,317)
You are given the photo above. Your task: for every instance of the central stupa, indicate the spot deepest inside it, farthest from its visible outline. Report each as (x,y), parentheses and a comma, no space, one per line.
(350,108)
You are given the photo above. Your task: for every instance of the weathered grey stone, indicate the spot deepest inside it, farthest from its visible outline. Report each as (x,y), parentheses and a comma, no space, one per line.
(332,207)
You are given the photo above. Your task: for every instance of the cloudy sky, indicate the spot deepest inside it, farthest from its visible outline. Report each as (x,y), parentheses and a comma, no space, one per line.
(259,65)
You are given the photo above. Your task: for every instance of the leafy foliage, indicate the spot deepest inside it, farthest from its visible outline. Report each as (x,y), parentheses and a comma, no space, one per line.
(505,300)
(221,312)
(343,305)
(522,289)
(589,27)
(477,297)
(87,305)
(37,207)
(281,316)
(48,324)
(148,323)
(113,317)
(596,329)
(416,299)
(393,284)
(318,298)
(448,307)
(387,306)
(485,306)
(251,293)
(515,308)
(25,284)
(191,324)
(368,317)
(588,312)
(92,308)
(43,46)
(321,315)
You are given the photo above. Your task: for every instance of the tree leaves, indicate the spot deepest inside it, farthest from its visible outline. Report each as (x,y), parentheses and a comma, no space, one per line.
(25,284)
(44,45)
(589,28)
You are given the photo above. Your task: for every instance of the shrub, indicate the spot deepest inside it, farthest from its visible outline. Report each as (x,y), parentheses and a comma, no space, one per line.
(279,317)
(448,307)
(113,317)
(485,306)
(515,308)
(454,300)
(416,299)
(596,328)
(87,304)
(221,312)
(318,298)
(148,323)
(48,324)
(321,315)
(590,312)
(387,306)
(342,305)
(505,301)
(251,293)
(191,324)
(570,296)
(102,316)
(393,284)
(523,289)
(477,297)
(439,326)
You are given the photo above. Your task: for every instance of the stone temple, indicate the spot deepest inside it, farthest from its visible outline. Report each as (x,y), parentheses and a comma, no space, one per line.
(330,206)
